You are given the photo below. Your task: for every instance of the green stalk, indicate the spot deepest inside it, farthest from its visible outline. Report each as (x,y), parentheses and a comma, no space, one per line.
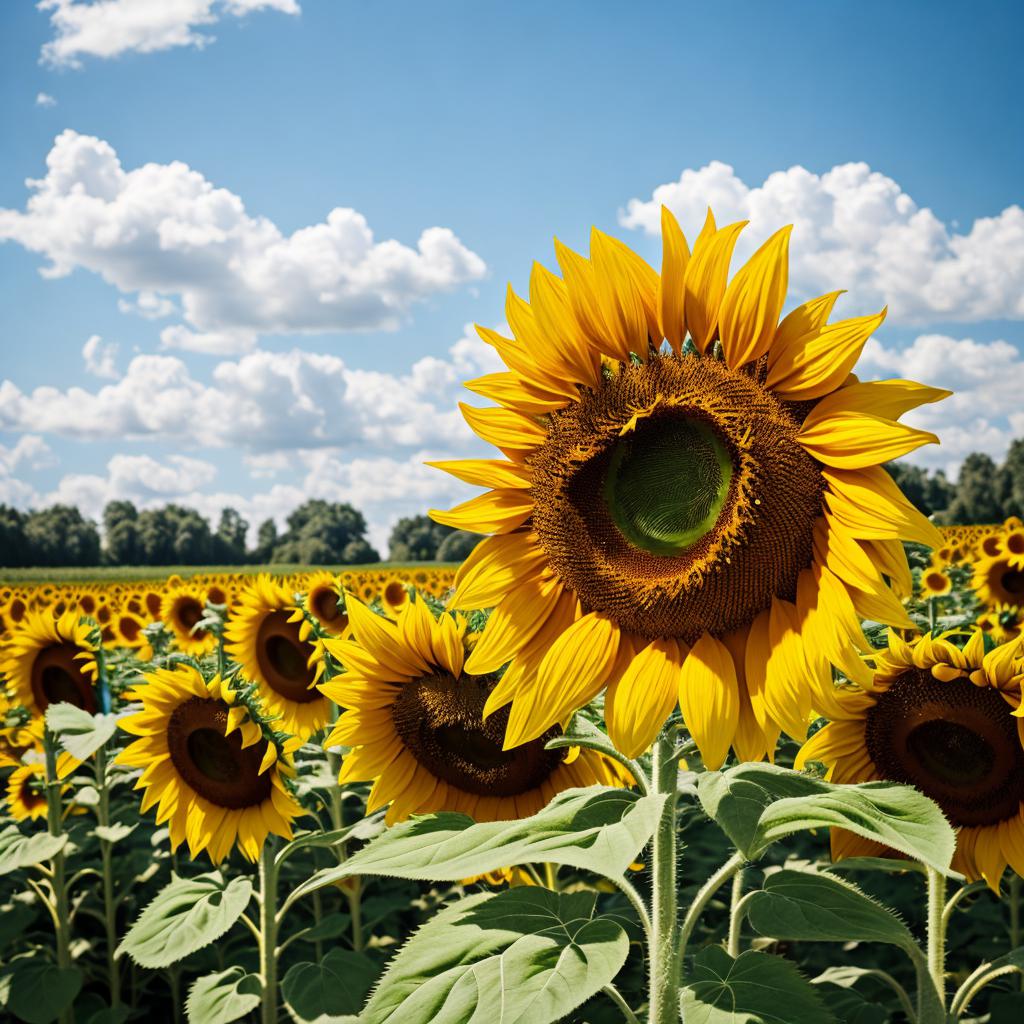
(54,821)
(735,919)
(268,934)
(931,614)
(937,933)
(109,899)
(664,985)
(702,899)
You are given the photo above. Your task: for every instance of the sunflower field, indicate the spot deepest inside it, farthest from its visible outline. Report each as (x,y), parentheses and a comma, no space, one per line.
(712,726)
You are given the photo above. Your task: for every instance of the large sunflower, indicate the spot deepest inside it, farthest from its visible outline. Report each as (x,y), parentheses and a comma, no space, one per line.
(947,721)
(208,766)
(692,502)
(182,607)
(268,636)
(50,661)
(416,725)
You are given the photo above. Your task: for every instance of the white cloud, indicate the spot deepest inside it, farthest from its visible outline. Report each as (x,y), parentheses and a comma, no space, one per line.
(984,412)
(264,401)
(148,305)
(100,359)
(857,229)
(214,343)
(30,452)
(44,99)
(166,233)
(108,28)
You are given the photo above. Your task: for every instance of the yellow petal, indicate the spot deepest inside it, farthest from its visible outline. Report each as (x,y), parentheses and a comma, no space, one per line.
(671,296)
(706,276)
(709,699)
(493,473)
(811,316)
(853,440)
(889,399)
(493,512)
(637,705)
(493,567)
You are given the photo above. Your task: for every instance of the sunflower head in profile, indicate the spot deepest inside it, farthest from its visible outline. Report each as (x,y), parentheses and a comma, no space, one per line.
(395,595)
(182,607)
(999,580)
(268,636)
(26,792)
(415,721)
(947,721)
(50,661)
(325,602)
(691,504)
(214,772)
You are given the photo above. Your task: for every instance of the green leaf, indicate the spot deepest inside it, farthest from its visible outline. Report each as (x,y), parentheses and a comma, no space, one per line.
(801,906)
(595,829)
(38,993)
(523,955)
(223,997)
(14,922)
(757,804)
(755,988)
(334,987)
(80,733)
(185,915)
(331,927)
(22,851)
(114,833)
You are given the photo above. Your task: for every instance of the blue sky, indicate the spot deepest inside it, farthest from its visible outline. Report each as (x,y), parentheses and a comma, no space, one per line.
(504,126)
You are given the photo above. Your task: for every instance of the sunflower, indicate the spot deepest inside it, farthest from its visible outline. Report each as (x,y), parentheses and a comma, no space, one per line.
(688,518)
(990,544)
(209,766)
(324,600)
(997,580)
(1003,622)
(416,722)
(935,583)
(183,605)
(50,661)
(395,596)
(26,792)
(941,719)
(268,636)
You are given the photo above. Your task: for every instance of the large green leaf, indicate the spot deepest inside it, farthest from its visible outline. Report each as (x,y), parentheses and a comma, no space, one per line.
(523,956)
(223,997)
(801,906)
(596,829)
(14,921)
(80,733)
(755,988)
(757,804)
(37,992)
(334,987)
(185,915)
(22,851)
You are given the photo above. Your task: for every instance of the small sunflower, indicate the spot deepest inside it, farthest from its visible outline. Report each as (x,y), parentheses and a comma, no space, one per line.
(183,605)
(946,721)
(691,492)
(935,583)
(208,766)
(268,636)
(26,792)
(324,601)
(50,661)
(991,544)
(415,721)
(998,580)
(395,596)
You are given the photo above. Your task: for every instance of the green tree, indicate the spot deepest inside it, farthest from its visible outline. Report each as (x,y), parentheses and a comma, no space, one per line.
(266,541)
(457,546)
(359,552)
(59,535)
(229,540)
(319,533)
(121,533)
(1011,480)
(977,498)
(13,545)
(930,493)
(416,539)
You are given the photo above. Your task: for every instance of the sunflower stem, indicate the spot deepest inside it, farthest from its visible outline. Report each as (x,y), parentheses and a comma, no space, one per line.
(735,917)
(55,825)
(937,933)
(268,933)
(931,614)
(664,984)
(702,899)
(109,899)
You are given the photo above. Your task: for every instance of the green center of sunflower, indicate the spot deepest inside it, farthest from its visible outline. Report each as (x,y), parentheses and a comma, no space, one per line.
(956,742)
(216,766)
(440,721)
(667,483)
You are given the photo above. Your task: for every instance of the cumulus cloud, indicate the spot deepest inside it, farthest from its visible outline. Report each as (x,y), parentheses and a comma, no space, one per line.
(44,99)
(30,452)
(263,401)
(108,28)
(856,228)
(984,412)
(163,233)
(100,358)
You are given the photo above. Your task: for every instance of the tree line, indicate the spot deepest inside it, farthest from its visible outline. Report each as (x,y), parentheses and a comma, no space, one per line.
(317,533)
(331,533)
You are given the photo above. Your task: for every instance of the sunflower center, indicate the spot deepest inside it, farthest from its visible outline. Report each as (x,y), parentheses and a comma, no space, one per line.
(188,612)
(676,499)
(57,678)
(130,628)
(666,484)
(1013,583)
(956,742)
(440,721)
(324,605)
(283,656)
(214,765)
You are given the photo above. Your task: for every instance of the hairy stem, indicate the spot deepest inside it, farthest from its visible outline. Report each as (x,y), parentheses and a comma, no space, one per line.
(664,985)
(54,821)
(109,898)
(268,933)
(735,919)
(937,933)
